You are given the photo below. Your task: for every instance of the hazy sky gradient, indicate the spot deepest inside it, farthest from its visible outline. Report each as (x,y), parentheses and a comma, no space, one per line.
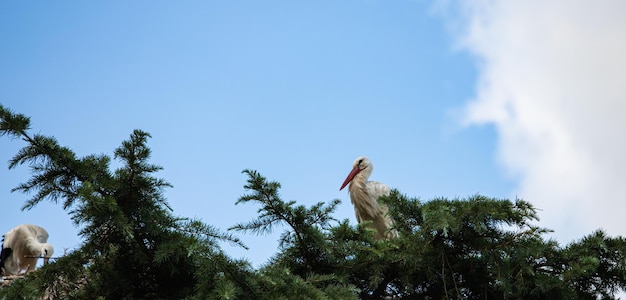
(298,90)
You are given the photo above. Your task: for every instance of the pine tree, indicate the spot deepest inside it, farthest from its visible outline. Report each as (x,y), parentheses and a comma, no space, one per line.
(134,247)
(475,248)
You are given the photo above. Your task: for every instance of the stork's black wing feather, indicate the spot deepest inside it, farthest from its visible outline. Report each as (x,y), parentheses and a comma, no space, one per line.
(4,253)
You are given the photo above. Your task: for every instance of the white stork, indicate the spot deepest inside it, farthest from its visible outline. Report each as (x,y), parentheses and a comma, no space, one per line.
(21,248)
(364,195)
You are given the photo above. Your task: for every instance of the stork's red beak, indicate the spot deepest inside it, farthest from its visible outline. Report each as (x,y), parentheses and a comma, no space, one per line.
(353,173)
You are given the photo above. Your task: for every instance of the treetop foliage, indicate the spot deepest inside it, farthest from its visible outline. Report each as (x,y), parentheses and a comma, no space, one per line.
(134,247)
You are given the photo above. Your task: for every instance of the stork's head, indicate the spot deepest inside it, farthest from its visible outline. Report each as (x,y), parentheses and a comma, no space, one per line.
(361,164)
(46,252)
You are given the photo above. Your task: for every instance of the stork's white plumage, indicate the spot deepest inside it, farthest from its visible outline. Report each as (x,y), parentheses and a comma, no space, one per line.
(364,195)
(21,248)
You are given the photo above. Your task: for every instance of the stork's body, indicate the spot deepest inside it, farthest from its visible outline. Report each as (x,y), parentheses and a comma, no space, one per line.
(364,196)
(21,248)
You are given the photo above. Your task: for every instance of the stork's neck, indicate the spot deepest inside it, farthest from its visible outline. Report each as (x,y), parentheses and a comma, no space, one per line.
(366,207)
(33,246)
(358,184)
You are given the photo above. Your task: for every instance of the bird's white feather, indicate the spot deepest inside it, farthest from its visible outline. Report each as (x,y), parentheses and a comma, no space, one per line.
(27,243)
(364,195)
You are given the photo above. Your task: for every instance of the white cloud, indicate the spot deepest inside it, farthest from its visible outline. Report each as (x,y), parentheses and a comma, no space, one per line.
(552,80)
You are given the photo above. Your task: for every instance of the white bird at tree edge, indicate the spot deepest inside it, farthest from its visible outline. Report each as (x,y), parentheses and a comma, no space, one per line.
(364,196)
(21,248)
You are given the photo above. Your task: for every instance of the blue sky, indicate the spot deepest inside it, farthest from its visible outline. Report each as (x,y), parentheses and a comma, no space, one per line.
(296,91)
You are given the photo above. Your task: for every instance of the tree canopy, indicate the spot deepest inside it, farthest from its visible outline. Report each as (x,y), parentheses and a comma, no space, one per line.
(134,247)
